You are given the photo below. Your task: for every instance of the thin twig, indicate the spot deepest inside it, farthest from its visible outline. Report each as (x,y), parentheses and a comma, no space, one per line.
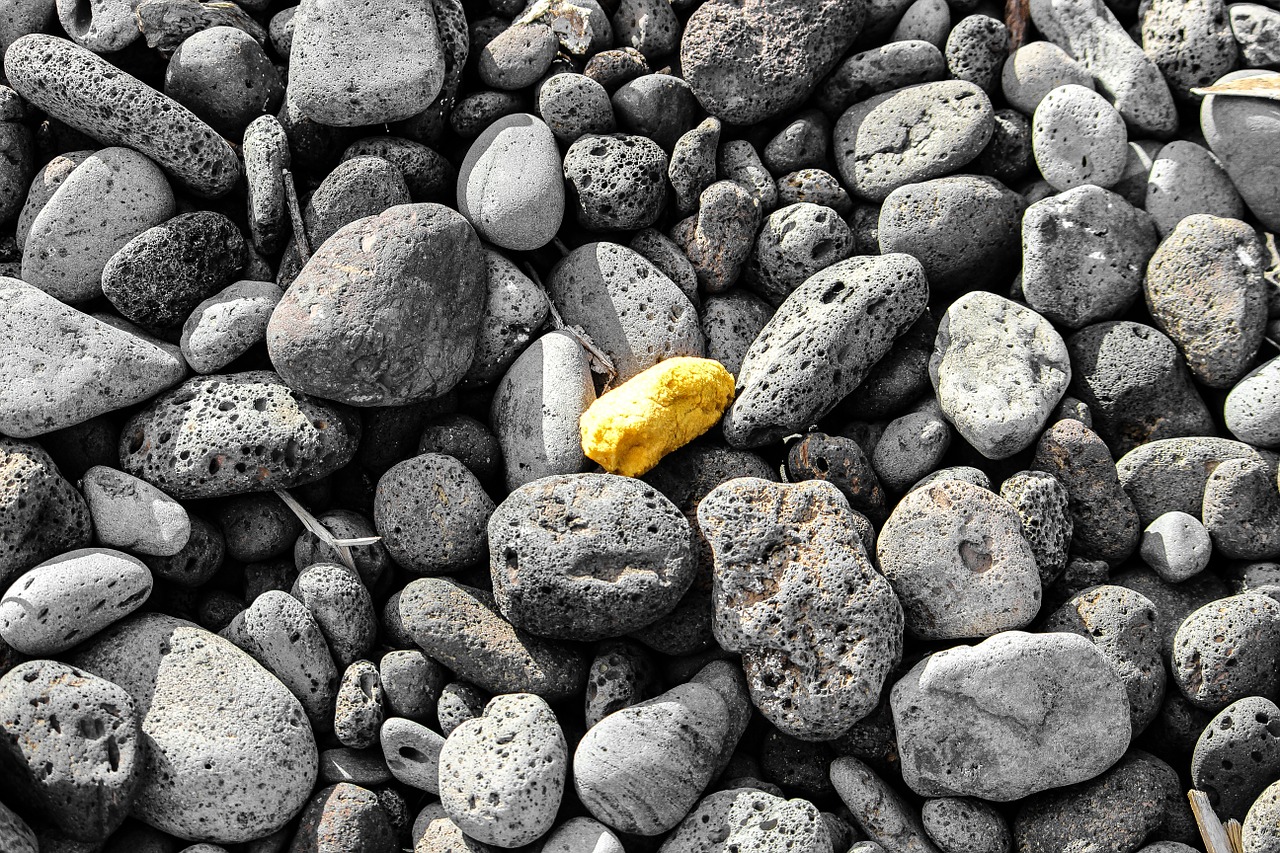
(341,546)
(560,246)
(1017,14)
(1212,832)
(295,217)
(600,362)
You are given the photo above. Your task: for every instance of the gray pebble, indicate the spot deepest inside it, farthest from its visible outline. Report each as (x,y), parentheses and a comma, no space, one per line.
(1252,408)
(502,775)
(43,515)
(649,26)
(663,252)
(1186,178)
(104,27)
(693,164)
(588,556)
(230,755)
(412,753)
(956,558)
(536,408)
(718,239)
(111,197)
(843,320)
(817,682)
(1089,33)
(659,107)
(358,711)
(953,122)
(1078,138)
(94,97)
(342,609)
(671,742)
(796,242)
(266,154)
(963,473)
(1176,545)
(71,746)
(925,20)
(357,766)
(740,162)
(999,370)
(280,633)
(372,561)
(1132,185)
(879,810)
(228,324)
(1034,70)
(1257,32)
(459,702)
(742,818)
(223,75)
(1260,831)
(1237,130)
(1211,673)
(976,49)
(518,56)
(878,70)
(45,183)
(963,229)
(730,322)
(411,684)
(612,68)
(467,440)
(460,627)
(356,188)
(473,113)
(197,562)
(803,144)
(337,69)
(434,832)
(515,310)
(1237,755)
(616,182)
(510,185)
(911,446)
(1190,42)
(129,513)
(964,825)
(622,674)
(574,105)
(954,743)
(431,513)
(1008,156)
(581,25)
(1124,625)
(63,601)
(1241,509)
(1042,504)
(1085,254)
(582,835)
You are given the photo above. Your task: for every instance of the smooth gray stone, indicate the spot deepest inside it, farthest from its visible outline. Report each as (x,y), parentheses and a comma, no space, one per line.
(1240,131)
(510,185)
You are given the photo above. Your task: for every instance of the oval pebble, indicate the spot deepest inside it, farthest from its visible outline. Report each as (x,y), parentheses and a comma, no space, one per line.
(1211,673)
(130,513)
(1252,408)
(431,513)
(510,185)
(227,324)
(1078,138)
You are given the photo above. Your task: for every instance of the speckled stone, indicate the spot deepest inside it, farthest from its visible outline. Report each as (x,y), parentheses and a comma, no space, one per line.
(963,825)
(1211,673)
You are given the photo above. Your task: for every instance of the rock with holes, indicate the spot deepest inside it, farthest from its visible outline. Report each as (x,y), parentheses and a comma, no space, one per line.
(821,343)
(616,182)
(510,185)
(1262,824)
(41,514)
(1190,42)
(99,367)
(229,755)
(64,601)
(1252,409)
(1078,138)
(431,513)
(1241,509)
(957,560)
(818,629)
(911,135)
(280,633)
(369,64)
(1013,715)
(999,370)
(588,556)
(461,627)
(1122,624)
(749,61)
(622,673)
(344,818)
(342,607)
(358,711)
(130,513)
(630,310)
(98,99)
(69,747)
(796,242)
(963,825)
(502,774)
(878,809)
(1238,755)
(412,753)
(1042,503)
(718,240)
(1226,650)
(228,434)
(641,769)
(387,310)
(750,819)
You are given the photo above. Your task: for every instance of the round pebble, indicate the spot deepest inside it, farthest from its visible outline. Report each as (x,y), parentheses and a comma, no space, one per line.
(1078,138)
(1176,546)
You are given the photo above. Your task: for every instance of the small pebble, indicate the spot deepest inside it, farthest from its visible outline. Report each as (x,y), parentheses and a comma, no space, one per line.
(1176,546)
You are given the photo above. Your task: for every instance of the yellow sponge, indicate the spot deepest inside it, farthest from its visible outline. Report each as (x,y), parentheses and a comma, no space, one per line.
(629,429)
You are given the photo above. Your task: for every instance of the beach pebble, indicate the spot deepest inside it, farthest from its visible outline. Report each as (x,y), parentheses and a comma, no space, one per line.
(963,229)
(412,285)
(510,186)
(615,182)
(461,627)
(98,99)
(1204,289)
(502,775)
(836,325)
(1237,130)
(72,746)
(621,674)
(581,835)
(693,164)
(954,743)
(1191,43)
(1211,673)
(956,558)
(1084,255)
(1252,408)
(105,26)
(64,601)
(358,710)
(1261,829)
(999,370)
(227,324)
(363,767)
(469,441)
(816,682)
(1238,754)
(718,240)
(1257,32)
(912,445)
(1176,546)
(841,462)
(412,753)
(536,408)
(744,818)
(338,73)
(266,155)
(1089,32)
(1078,138)
(1241,509)
(963,825)
(518,56)
(803,143)
(1171,474)
(1186,179)
(41,514)
(1043,505)
(751,61)
(356,188)
(459,702)
(515,310)
(954,121)
(630,310)
(925,20)
(881,69)
(431,513)
(1036,69)
(224,76)
(739,162)
(343,818)
(129,513)
(230,756)
(411,684)
(574,105)
(670,742)
(879,810)
(564,563)
(342,608)
(660,107)
(976,49)
(187,444)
